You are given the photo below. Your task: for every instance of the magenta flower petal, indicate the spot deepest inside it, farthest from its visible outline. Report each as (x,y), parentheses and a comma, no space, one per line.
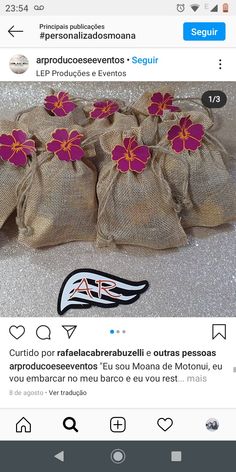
(186,136)
(191,144)
(6,152)
(168,98)
(54,146)
(143,153)
(114,108)
(130,143)
(59,111)
(49,106)
(118,152)
(100,104)
(19,159)
(157,97)
(51,99)
(29,144)
(161,103)
(69,106)
(61,134)
(102,115)
(154,109)
(196,131)
(104,109)
(60,104)
(137,166)
(63,155)
(76,153)
(75,134)
(174,132)
(19,135)
(76,142)
(131,156)
(178,144)
(63,96)
(185,122)
(67,145)
(96,113)
(6,139)
(173,108)
(123,165)
(16,147)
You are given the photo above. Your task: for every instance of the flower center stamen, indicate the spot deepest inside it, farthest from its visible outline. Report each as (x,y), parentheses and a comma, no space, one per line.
(106,108)
(66,145)
(17,146)
(58,104)
(129,155)
(184,134)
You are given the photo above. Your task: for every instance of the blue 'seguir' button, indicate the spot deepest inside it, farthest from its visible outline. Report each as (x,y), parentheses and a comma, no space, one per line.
(211,31)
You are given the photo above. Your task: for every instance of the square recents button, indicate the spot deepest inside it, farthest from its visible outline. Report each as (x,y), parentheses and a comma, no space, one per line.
(176,456)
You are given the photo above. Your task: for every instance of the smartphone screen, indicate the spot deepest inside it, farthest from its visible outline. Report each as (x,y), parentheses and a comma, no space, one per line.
(117,236)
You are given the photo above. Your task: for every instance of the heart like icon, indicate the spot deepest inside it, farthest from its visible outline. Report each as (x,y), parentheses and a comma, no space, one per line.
(17,331)
(165,423)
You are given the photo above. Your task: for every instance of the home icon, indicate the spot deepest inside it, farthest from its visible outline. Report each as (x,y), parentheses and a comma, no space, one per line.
(23,426)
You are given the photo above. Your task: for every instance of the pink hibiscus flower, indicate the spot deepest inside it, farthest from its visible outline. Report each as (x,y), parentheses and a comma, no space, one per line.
(131,156)
(16,147)
(161,103)
(60,104)
(66,145)
(104,109)
(186,135)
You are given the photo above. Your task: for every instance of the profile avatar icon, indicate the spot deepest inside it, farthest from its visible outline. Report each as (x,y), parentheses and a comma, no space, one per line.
(19,64)
(212,424)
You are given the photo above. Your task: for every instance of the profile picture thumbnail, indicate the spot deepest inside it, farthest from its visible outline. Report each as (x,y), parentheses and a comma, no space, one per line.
(212,424)
(19,64)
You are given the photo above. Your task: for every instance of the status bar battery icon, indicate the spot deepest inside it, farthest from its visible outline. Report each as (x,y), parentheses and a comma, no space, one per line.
(225,8)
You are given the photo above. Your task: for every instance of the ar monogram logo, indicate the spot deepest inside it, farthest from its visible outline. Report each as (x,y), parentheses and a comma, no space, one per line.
(84,288)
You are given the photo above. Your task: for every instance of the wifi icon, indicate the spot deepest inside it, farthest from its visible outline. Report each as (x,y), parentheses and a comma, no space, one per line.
(194,6)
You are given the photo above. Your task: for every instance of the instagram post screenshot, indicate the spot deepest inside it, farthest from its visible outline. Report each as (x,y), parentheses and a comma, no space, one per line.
(117,236)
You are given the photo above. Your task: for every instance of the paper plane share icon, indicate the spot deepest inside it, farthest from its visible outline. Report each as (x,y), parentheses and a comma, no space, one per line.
(70,329)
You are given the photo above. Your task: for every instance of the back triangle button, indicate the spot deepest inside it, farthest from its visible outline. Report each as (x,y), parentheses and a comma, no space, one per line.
(60,456)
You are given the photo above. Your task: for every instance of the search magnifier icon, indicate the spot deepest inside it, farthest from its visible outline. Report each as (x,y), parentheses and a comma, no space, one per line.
(69,423)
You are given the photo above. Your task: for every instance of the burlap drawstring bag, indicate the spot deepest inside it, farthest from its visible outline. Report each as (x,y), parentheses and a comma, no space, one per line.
(10,176)
(135,208)
(57,200)
(122,119)
(199,180)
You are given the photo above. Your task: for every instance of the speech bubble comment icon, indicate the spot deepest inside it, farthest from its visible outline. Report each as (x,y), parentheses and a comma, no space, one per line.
(43,332)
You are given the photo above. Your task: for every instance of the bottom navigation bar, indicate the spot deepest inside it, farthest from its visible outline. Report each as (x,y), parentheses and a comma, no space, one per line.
(106,456)
(122,424)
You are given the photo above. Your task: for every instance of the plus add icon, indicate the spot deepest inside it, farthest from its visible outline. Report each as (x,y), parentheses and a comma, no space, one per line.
(117,424)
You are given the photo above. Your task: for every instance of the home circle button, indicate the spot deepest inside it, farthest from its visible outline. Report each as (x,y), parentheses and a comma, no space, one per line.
(118,456)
